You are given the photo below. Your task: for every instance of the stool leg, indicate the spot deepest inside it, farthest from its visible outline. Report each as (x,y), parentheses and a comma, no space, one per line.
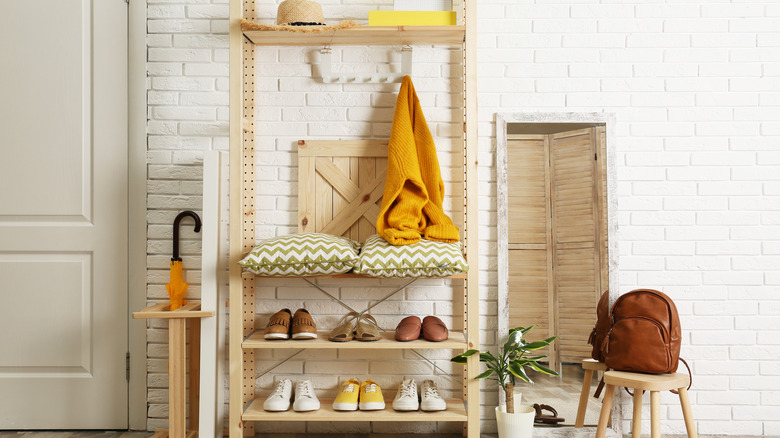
(584,394)
(690,426)
(177,383)
(606,407)
(655,414)
(636,420)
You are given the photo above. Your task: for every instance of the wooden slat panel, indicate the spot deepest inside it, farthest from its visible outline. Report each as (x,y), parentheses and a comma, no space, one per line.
(576,274)
(306,190)
(342,148)
(334,177)
(526,189)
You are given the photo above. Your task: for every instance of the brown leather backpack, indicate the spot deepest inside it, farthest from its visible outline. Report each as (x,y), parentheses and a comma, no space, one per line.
(603,324)
(645,333)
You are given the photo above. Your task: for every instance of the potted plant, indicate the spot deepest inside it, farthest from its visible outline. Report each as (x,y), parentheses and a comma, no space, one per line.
(511,364)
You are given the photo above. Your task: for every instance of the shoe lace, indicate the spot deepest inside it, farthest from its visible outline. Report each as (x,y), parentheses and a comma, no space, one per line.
(304,388)
(279,391)
(431,391)
(371,387)
(408,390)
(349,387)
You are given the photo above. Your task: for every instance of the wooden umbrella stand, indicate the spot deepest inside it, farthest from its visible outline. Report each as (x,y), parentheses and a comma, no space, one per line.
(177,367)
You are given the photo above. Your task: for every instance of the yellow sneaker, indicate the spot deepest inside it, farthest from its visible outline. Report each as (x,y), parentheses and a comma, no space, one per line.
(371,397)
(347,400)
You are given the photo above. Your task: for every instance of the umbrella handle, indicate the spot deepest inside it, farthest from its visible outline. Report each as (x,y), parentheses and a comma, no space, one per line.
(176,221)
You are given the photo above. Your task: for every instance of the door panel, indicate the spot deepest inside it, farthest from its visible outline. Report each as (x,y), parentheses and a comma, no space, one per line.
(63,215)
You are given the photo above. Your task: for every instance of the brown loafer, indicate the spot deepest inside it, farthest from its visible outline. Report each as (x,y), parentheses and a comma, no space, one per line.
(433,329)
(303,326)
(408,329)
(279,325)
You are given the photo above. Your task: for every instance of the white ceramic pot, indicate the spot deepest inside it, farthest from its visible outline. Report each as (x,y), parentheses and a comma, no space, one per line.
(517,425)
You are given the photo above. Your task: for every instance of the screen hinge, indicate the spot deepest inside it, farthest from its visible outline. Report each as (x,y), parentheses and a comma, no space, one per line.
(127,366)
(595,157)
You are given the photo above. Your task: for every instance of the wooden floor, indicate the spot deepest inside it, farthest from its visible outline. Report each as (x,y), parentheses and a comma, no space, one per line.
(74,434)
(116,434)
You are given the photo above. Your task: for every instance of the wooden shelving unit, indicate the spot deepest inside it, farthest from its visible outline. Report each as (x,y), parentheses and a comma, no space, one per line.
(244,408)
(457,341)
(248,275)
(362,36)
(454,412)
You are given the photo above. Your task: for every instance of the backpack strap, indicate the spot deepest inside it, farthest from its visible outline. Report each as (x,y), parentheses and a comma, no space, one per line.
(690,381)
(599,388)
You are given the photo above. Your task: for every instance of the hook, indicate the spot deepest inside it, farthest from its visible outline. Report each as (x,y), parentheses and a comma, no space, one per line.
(176,221)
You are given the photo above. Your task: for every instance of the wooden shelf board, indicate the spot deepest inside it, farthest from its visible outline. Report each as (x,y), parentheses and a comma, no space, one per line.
(462,276)
(162,310)
(457,341)
(362,36)
(455,412)
(164,434)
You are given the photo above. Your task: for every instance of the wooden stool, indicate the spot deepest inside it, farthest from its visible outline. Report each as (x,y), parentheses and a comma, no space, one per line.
(589,365)
(177,384)
(648,382)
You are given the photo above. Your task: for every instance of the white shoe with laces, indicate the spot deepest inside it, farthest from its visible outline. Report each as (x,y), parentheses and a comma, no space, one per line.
(406,397)
(279,400)
(431,399)
(305,399)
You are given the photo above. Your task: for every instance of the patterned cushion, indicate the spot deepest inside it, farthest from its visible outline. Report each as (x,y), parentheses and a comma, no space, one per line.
(302,254)
(425,258)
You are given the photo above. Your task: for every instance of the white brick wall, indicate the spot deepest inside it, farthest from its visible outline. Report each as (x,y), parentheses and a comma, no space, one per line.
(694,85)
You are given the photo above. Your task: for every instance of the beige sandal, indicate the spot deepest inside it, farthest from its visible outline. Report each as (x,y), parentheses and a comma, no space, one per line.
(367,331)
(345,329)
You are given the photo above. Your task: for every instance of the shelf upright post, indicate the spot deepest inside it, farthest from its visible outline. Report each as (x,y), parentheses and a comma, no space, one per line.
(241,214)
(471,212)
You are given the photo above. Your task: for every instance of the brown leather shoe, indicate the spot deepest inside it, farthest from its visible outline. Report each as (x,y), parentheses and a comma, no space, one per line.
(408,329)
(303,326)
(279,325)
(433,329)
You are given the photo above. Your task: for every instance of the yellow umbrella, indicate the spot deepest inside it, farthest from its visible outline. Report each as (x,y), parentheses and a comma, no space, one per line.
(177,287)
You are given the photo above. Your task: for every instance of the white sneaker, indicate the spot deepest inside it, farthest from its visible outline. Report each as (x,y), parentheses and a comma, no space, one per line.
(305,399)
(279,400)
(431,399)
(406,397)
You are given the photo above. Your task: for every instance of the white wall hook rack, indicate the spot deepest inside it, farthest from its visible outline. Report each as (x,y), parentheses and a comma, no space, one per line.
(327,75)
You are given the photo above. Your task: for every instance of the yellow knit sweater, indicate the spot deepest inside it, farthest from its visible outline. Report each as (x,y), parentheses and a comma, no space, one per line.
(414,190)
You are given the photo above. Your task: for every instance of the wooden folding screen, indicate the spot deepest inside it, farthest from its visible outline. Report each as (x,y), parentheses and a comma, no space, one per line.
(557,236)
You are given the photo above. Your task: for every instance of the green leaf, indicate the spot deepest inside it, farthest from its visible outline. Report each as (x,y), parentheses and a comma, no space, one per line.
(527,329)
(535,345)
(535,358)
(511,342)
(461,358)
(485,374)
(519,372)
(542,369)
(487,357)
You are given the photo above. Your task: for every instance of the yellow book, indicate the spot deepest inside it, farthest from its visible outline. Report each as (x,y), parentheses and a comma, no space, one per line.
(411,18)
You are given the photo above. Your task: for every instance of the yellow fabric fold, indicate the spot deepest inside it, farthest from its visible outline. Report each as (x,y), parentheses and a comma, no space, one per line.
(414,190)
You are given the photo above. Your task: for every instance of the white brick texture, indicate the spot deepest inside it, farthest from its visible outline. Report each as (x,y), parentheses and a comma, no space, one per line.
(694,85)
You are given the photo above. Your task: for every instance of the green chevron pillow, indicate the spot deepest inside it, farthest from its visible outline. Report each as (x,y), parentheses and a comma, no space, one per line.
(425,258)
(302,254)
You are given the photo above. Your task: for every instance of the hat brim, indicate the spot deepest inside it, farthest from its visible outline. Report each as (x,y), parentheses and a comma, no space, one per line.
(252,25)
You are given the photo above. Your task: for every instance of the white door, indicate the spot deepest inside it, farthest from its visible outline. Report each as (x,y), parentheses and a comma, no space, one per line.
(63,214)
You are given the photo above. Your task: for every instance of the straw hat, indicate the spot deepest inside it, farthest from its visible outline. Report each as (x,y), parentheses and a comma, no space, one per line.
(300,13)
(298,16)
